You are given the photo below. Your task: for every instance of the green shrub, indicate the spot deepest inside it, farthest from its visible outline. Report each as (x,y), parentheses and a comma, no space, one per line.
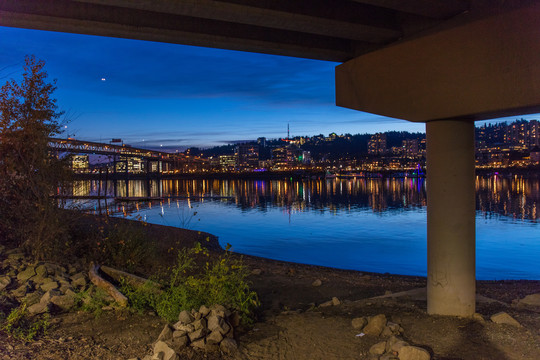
(222,281)
(92,300)
(140,298)
(21,325)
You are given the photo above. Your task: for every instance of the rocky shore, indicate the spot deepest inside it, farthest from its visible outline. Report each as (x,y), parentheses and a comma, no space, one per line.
(308,312)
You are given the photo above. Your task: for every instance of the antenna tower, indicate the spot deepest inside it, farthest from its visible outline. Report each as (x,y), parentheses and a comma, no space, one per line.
(288,131)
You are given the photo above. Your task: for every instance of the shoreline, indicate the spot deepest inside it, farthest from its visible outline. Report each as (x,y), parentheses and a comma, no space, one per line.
(214,245)
(295,317)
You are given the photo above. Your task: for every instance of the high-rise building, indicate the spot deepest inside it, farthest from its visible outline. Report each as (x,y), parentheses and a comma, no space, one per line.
(248,156)
(410,148)
(377,144)
(261,141)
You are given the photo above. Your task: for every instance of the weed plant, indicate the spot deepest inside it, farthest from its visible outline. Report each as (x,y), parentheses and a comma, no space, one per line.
(189,285)
(92,300)
(22,325)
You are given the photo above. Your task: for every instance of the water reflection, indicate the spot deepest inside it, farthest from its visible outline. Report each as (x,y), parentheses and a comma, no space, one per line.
(514,197)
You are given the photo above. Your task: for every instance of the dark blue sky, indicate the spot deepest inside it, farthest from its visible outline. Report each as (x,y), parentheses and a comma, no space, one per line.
(153,94)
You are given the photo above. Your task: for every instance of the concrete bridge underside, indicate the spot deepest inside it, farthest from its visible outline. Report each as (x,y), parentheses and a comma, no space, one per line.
(447,63)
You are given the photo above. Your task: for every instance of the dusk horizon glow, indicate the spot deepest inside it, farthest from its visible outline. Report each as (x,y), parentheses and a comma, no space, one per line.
(171,97)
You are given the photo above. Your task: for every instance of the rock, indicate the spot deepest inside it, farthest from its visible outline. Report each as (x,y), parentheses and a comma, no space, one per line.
(327,303)
(256,272)
(395,344)
(26,274)
(413,353)
(178,343)
(504,318)
(41,271)
(478,317)
(388,356)
(218,323)
(197,334)
(16,255)
(530,300)
(211,347)
(33,298)
(393,327)
(166,333)
(64,302)
(47,280)
(199,344)
(199,324)
(178,333)
(185,317)
(49,294)
(359,323)
(66,288)
(228,346)
(378,348)
(375,325)
(316,283)
(39,308)
(235,319)
(204,311)
(335,301)
(164,352)
(49,286)
(79,280)
(22,290)
(5,281)
(187,328)
(387,332)
(215,337)
(218,310)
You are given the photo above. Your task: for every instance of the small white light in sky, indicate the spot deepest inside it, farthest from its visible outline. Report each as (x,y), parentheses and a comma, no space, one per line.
(103,79)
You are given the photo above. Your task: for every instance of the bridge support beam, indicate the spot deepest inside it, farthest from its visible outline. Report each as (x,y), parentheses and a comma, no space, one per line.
(478,69)
(450,218)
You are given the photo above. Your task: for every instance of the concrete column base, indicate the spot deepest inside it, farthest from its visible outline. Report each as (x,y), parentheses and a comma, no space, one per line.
(451,211)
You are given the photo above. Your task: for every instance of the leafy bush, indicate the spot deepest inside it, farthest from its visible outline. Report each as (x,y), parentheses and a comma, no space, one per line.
(92,300)
(222,281)
(140,298)
(21,325)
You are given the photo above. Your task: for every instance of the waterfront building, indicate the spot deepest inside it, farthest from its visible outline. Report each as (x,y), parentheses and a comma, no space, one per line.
(228,162)
(80,163)
(248,156)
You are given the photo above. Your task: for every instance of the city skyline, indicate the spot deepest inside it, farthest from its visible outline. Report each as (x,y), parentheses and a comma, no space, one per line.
(173,96)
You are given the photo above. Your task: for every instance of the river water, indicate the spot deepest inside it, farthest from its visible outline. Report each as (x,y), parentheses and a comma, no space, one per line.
(376,225)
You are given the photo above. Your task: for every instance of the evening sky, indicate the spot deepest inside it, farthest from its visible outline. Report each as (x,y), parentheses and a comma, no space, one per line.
(173,96)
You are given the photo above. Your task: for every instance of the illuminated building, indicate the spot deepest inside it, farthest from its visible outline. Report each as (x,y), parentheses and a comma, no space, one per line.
(80,163)
(377,144)
(248,156)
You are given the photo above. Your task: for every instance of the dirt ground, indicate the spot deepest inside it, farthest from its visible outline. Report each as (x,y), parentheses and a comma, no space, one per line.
(291,325)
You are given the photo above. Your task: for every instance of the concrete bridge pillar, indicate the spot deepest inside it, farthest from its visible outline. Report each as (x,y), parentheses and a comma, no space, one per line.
(450,217)
(479,69)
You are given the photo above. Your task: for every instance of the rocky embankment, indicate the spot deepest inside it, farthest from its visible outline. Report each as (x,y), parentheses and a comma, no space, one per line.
(42,286)
(208,329)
